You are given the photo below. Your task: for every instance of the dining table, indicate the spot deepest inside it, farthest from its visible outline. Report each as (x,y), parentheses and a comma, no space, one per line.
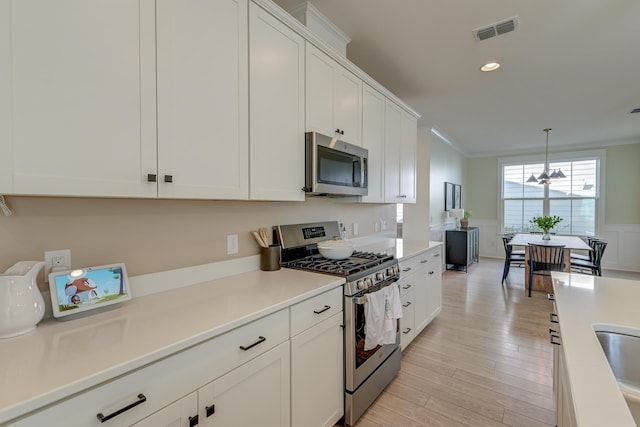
(571,243)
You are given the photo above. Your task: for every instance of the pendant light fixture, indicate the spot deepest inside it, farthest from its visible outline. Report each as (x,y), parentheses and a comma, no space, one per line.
(545,177)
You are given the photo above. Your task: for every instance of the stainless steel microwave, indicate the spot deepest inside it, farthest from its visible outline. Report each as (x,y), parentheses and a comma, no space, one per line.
(334,167)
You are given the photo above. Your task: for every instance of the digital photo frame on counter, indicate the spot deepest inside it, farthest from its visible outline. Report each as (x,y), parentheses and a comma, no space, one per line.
(80,292)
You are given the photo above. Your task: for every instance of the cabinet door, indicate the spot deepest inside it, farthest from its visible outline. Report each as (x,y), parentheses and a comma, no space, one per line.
(254,394)
(178,414)
(320,83)
(6,157)
(276,79)
(203,99)
(373,106)
(408,146)
(392,146)
(83,97)
(434,289)
(317,386)
(419,278)
(348,106)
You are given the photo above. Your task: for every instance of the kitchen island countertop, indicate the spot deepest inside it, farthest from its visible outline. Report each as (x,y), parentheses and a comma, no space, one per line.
(400,248)
(585,304)
(61,358)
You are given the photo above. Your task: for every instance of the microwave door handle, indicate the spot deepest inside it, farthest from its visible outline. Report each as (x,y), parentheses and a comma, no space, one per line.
(362,171)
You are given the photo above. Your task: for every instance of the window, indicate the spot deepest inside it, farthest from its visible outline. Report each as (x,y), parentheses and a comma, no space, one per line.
(574,198)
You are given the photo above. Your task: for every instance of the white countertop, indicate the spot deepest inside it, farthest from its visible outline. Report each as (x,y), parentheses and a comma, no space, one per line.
(62,358)
(400,248)
(584,304)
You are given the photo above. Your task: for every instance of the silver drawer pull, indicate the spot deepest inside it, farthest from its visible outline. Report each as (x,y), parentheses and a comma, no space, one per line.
(104,418)
(431,272)
(553,318)
(551,297)
(406,331)
(552,338)
(436,255)
(326,307)
(406,287)
(423,261)
(250,346)
(407,304)
(406,269)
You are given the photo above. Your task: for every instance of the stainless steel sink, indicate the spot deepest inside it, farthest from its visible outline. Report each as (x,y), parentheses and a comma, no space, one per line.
(623,353)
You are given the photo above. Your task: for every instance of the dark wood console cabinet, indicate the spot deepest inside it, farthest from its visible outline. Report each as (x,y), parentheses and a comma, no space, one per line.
(462,248)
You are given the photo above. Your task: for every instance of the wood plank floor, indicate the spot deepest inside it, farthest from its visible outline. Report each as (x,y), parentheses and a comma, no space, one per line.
(485,360)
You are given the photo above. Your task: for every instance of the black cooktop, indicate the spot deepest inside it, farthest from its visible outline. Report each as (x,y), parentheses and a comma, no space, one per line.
(357,262)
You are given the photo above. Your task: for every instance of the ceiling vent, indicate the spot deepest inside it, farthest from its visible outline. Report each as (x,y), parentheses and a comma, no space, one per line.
(635,110)
(502,27)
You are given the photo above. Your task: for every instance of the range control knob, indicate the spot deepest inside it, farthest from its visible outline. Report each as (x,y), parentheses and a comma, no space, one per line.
(379,276)
(390,271)
(360,285)
(368,281)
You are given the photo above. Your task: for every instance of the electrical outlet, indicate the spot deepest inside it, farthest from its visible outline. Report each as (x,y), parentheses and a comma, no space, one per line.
(232,244)
(56,261)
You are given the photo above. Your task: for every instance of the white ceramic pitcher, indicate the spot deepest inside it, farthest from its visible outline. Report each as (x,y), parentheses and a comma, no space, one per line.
(21,303)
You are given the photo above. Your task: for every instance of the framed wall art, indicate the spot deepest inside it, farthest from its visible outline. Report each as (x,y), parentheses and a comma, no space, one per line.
(448,196)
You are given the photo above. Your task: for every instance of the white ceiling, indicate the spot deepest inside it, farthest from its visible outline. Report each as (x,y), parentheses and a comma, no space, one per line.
(573,66)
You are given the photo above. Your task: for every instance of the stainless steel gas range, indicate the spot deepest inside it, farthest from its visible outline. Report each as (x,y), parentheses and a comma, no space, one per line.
(368,372)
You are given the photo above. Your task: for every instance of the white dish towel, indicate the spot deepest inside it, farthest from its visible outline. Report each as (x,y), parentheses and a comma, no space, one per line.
(381,312)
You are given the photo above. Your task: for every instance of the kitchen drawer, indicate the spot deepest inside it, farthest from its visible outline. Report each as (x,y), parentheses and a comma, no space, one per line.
(432,256)
(166,380)
(312,311)
(406,285)
(407,300)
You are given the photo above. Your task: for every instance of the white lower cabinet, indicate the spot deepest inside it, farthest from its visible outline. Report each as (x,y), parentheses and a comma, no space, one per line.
(178,414)
(420,284)
(254,394)
(317,384)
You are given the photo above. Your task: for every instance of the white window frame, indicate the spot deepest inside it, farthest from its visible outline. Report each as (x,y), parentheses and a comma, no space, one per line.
(598,155)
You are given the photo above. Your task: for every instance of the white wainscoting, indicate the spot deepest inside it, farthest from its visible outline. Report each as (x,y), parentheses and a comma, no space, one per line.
(622,252)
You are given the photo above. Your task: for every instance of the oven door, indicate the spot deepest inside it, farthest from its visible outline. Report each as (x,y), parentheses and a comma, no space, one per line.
(335,167)
(360,364)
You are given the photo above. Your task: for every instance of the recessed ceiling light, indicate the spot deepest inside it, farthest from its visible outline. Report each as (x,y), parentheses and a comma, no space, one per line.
(490,66)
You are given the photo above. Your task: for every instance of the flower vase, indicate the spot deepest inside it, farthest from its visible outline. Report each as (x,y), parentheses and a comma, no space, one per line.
(546,236)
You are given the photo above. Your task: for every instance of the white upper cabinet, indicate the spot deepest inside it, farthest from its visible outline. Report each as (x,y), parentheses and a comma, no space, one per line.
(408,147)
(276,81)
(6,164)
(202,70)
(400,155)
(334,98)
(82,102)
(373,108)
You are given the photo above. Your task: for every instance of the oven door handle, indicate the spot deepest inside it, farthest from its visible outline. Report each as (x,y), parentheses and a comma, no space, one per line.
(363,298)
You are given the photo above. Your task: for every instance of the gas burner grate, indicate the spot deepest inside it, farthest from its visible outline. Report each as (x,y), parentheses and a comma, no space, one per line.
(359,261)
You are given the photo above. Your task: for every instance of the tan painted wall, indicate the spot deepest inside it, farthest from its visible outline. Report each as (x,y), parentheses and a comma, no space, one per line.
(158,235)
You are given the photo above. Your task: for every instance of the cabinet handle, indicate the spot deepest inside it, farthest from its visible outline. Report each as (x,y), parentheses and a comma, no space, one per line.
(210,410)
(423,261)
(431,272)
(407,269)
(551,339)
(168,178)
(341,132)
(250,346)
(193,421)
(551,297)
(406,286)
(152,177)
(326,307)
(103,418)
(436,255)
(552,331)
(553,318)
(406,331)
(407,304)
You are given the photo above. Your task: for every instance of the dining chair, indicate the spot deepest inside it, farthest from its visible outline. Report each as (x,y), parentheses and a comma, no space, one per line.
(594,261)
(511,256)
(543,259)
(587,257)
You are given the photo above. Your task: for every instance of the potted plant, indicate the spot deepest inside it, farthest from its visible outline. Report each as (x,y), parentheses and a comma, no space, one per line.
(464,222)
(546,223)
